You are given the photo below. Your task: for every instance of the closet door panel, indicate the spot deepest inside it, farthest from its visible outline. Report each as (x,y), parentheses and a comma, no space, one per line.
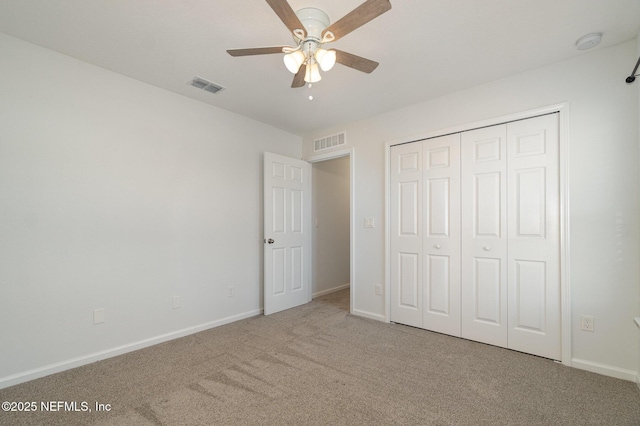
(484,235)
(486,290)
(475,247)
(534,243)
(441,243)
(406,234)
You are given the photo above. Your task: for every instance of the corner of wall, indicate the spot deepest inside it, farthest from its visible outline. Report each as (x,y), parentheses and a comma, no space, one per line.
(637,319)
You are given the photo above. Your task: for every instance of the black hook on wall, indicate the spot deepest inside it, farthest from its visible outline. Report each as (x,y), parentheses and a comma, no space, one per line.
(633,75)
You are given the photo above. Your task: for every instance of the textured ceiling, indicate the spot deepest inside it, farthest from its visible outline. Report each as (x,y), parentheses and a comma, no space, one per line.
(426,48)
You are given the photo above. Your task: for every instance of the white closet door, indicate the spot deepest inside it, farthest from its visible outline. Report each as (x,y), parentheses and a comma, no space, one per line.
(533,263)
(441,243)
(484,235)
(406,234)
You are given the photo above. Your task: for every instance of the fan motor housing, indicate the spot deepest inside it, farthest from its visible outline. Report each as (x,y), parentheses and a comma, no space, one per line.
(315,21)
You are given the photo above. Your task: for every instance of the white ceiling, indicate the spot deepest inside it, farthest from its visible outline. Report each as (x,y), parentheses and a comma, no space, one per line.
(426,48)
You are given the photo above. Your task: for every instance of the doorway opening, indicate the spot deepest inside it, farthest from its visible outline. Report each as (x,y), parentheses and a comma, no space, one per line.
(332,228)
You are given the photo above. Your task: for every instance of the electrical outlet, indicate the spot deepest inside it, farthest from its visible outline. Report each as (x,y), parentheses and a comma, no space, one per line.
(176,302)
(586,323)
(230,292)
(378,290)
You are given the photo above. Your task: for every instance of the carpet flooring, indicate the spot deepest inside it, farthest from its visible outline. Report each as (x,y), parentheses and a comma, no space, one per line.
(318,365)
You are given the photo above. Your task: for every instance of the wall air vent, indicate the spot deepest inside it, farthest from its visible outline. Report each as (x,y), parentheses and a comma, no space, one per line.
(206,85)
(329,142)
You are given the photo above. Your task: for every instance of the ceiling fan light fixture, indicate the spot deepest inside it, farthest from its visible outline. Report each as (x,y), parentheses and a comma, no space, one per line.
(312,74)
(311,29)
(326,58)
(294,60)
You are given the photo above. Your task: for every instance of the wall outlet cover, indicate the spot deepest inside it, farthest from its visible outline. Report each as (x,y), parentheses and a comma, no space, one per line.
(587,323)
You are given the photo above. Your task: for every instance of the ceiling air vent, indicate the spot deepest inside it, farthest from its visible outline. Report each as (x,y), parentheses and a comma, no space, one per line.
(207,85)
(329,142)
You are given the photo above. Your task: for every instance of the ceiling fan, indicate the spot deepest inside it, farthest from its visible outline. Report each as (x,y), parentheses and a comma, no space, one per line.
(311,31)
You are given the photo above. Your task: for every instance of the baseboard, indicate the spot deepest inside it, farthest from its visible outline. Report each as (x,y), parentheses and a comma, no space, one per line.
(369,315)
(47,370)
(331,290)
(606,370)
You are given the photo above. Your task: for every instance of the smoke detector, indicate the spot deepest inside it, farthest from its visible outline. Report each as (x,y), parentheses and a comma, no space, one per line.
(588,41)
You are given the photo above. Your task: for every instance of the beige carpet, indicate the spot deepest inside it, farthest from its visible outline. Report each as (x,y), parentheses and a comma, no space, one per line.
(316,364)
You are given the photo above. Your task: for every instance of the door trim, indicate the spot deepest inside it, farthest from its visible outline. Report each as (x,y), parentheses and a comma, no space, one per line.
(351,153)
(565,277)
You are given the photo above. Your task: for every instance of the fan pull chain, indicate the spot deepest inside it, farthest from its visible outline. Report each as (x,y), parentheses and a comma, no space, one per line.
(309,91)
(309,59)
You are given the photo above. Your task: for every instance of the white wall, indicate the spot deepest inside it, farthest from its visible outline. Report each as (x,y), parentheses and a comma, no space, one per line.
(330,224)
(118,195)
(603,179)
(637,85)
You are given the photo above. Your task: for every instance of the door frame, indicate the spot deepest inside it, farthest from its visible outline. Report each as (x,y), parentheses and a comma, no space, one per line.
(565,278)
(349,152)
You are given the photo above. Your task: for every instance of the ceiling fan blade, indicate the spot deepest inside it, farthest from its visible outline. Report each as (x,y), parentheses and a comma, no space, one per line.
(356,62)
(255,51)
(287,15)
(298,79)
(359,16)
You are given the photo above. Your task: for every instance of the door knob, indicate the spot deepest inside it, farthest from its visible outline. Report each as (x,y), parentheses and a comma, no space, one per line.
(437,246)
(486,248)
(270,241)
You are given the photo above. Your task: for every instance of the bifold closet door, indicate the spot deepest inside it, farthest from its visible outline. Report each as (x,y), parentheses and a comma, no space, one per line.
(441,242)
(484,235)
(534,236)
(425,234)
(475,247)
(406,234)
(510,236)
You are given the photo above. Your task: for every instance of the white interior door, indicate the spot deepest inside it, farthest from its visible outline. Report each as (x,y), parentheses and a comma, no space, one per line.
(287,233)
(475,225)
(534,243)
(484,235)
(441,243)
(406,234)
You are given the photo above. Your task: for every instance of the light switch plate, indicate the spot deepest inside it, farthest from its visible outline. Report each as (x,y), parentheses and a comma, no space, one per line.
(368,222)
(98,316)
